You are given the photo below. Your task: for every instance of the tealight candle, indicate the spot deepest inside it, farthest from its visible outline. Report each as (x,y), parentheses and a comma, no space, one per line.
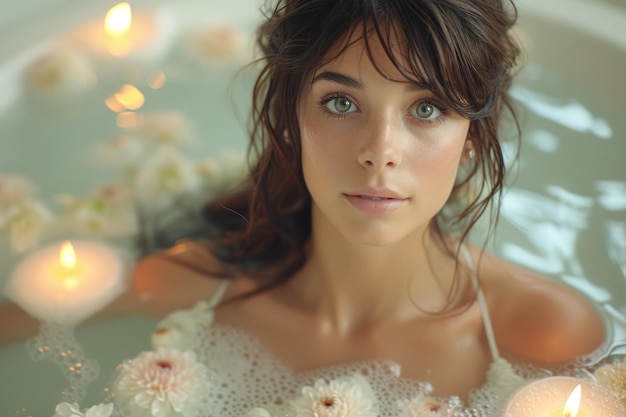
(67,283)
(122,32)
(562,397)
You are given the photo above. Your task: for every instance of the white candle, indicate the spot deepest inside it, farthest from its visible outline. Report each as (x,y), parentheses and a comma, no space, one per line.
(122,32)
(563,397)
(65,283)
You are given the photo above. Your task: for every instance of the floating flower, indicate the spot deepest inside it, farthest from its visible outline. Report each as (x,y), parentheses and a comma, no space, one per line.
(165,128)
(121,151)
(337,398)
(109,212)
(14,190)
(60,72)
(73,410)
(221,174)
(613,377)
(166,178)
(424,405)
(258,412)
(26,225)
(216,44)
(162,383)
(179,329)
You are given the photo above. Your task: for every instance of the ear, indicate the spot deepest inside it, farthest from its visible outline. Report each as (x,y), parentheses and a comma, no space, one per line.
(468,151)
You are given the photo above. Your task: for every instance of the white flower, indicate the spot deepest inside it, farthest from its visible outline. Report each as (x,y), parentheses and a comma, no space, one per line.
(338,398)
(165,178)
(73,410)
(60,72)
(14,190)
(165,128)
(216,44)
(108,212)
(121,151)
(424,405)
(162,383)
(224,173)
(258,412)
(179,329)
(26,225)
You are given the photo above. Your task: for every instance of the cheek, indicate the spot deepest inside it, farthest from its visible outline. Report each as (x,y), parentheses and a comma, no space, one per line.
(442,153)
(322,151)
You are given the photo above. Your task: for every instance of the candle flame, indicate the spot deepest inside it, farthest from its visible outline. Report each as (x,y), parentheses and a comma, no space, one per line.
(118,20)
(572,403)
(68,265)
(67,256)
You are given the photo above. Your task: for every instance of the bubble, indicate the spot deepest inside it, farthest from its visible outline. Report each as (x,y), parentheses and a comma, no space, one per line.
(57,344)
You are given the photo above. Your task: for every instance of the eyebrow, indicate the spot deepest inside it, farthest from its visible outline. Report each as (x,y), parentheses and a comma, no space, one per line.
(348,81)
(338,78)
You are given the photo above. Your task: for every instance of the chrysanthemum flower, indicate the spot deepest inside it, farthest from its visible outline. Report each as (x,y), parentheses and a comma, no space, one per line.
(73,410)
(165,128)
(14,190)
(178,329)
(26,225)
(108,212)
(162,383)
(334,399)
(428,406)
(60,72)
(166,178)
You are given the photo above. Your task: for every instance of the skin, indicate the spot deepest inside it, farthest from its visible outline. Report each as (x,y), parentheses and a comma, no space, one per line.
(371,279)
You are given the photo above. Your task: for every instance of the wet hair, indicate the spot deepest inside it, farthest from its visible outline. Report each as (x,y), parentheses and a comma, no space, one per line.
(461,50)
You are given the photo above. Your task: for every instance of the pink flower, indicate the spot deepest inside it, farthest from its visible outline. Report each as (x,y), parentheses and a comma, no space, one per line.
(162,383)
(338,398)
(428,406)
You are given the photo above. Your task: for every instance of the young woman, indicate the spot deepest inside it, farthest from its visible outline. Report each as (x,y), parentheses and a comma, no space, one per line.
(375,136)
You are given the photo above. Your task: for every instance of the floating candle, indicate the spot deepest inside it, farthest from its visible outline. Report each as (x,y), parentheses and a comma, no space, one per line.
(123,32)
(563,397)
(67,283)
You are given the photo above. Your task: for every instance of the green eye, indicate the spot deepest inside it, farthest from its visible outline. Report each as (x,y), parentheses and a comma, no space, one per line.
(425,110)
(341,105)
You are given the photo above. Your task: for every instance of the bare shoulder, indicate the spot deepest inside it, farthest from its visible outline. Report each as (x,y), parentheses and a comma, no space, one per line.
(174,279)
(537,319)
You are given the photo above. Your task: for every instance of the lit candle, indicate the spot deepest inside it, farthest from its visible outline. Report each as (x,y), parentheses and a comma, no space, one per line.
(123,32)
(562,397)
(67,283)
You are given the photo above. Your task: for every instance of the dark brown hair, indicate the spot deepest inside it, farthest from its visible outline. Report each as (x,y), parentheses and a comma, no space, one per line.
(461,49)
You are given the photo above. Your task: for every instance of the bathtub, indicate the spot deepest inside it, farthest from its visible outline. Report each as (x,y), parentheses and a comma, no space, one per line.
(563,214)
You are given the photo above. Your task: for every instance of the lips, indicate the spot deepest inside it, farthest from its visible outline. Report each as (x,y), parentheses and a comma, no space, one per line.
(376,202)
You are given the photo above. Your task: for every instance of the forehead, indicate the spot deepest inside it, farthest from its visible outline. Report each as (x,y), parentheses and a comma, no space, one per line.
(361,48)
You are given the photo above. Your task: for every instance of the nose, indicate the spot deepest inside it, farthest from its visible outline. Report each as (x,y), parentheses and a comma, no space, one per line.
(380,148)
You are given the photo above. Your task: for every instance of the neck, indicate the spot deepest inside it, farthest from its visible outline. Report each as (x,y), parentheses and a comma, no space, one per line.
(354,285)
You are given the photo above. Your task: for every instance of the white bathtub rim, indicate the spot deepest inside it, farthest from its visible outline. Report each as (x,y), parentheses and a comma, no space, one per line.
(604,21)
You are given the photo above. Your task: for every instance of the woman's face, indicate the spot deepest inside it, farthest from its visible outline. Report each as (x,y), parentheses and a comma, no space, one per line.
(379,153)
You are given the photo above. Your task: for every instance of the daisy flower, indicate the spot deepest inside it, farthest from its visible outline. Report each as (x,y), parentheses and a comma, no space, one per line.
(162,383)
(337,398)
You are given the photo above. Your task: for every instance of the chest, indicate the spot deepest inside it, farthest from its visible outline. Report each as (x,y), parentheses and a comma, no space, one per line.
(450,353)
